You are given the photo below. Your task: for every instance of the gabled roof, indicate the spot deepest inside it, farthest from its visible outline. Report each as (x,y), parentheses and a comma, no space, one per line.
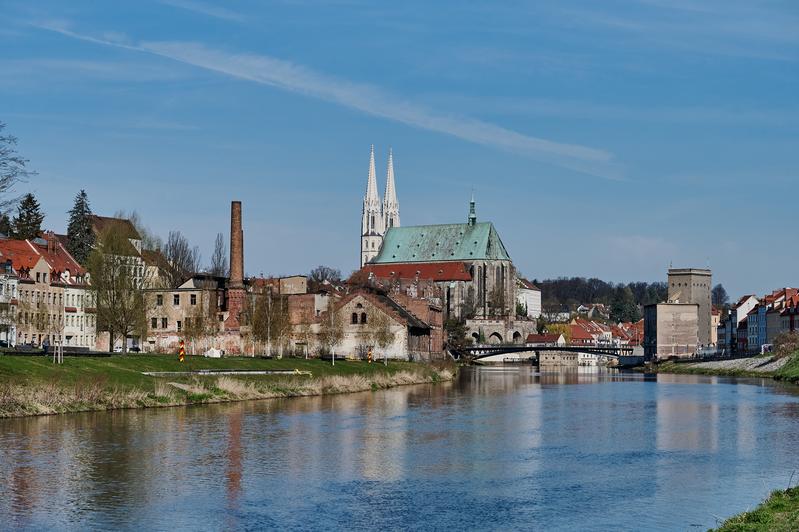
(126,227)
(446,242)
(435,271)
(527,285)
(388,305)
(25,254)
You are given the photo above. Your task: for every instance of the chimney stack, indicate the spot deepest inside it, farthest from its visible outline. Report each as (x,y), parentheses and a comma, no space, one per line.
(236,246)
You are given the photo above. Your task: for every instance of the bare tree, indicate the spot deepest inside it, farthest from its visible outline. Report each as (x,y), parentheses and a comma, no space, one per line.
(12,168)
(321,274)
(117,290)
(149,240)
(219,260)
(183,260)
(380,331)
(270,320)
(331,330)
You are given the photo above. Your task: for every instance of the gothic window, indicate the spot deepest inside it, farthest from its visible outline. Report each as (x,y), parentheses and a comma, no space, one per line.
(354,320)
(363,318)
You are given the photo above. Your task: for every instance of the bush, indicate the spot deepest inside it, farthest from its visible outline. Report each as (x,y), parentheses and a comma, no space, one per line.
(785,344)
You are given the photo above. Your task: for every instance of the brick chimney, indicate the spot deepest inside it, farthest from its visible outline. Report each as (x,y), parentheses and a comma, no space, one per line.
(235,292)
(236,246)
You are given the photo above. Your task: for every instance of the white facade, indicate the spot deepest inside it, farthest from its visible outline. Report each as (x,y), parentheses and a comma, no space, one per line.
(531,300)
(9,283)
(79,323)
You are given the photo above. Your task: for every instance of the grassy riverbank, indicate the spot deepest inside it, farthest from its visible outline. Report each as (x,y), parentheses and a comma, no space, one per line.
(780,512)
(35,386)
(757,367)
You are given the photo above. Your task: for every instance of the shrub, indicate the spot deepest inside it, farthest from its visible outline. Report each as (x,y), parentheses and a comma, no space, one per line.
(785,344)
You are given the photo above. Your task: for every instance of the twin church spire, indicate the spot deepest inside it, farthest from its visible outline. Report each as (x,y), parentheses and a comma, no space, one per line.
(378,217)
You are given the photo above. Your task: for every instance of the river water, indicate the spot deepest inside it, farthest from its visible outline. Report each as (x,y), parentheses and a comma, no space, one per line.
(499,448)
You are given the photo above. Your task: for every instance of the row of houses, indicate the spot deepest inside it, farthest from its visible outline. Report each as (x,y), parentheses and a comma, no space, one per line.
(44,295)
(753,323)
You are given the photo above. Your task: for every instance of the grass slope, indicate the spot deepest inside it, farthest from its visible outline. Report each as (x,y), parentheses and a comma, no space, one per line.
(31,385)
(780,512)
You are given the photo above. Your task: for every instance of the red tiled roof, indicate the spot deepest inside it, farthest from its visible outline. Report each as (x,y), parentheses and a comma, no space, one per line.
(528,285)
(432,271)
(579,333)
(21,253)
(543,338)
(25,254)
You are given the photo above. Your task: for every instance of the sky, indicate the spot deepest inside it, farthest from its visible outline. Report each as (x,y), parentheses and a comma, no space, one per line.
(604,140)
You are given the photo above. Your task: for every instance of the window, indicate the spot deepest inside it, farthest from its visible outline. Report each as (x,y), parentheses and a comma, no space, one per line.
(363,317)
(38,277)
(159,300)
(179,325)
(163,323)
(154,323)
(354,320)
(193,299)
(176,299)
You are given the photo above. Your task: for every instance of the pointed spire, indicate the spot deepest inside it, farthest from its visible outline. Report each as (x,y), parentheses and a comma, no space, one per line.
(472,211)
(371,183)
(390,203)
(391,193)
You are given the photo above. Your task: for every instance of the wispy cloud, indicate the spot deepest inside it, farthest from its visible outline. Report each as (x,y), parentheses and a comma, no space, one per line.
(588,110)
(368,99)
(205,9)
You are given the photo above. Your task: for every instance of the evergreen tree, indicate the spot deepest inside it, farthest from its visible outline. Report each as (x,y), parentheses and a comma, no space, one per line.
(80,237)
(28,221)
(5,225)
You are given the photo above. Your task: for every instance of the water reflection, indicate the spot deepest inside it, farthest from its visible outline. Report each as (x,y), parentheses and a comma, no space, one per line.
(499,447)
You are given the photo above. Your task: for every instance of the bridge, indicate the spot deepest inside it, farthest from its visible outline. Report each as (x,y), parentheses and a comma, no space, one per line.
(478,352)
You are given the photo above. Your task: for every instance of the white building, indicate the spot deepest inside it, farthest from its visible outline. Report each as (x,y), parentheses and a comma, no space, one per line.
(529,296)
(9,283)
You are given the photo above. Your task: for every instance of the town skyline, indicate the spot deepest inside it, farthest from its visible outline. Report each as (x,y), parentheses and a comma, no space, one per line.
(553,140)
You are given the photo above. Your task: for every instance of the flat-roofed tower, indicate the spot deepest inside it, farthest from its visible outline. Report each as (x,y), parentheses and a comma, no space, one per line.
(693,285)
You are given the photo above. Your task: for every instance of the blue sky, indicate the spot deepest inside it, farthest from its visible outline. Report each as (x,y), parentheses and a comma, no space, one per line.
(602,139)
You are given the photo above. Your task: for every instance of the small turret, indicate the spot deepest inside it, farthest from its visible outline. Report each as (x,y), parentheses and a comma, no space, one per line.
(472,213)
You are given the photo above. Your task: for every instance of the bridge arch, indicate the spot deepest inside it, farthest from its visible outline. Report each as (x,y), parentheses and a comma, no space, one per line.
(517,337)
(495,338)
(476,338)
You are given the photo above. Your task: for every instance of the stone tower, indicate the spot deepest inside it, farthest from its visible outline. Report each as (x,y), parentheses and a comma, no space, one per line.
(372,229)
(693,285)
(391,216)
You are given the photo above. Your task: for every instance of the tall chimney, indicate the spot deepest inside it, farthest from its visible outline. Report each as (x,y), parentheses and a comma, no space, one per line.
(236,246)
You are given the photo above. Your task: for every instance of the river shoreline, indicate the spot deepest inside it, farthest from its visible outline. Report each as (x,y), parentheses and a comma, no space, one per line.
(85,386)
(761,367)
(780,511)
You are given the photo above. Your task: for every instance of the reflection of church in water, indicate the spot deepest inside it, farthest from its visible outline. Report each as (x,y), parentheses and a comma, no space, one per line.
(467,262)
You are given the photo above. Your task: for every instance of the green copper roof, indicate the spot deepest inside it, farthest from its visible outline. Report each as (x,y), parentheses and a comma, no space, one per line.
(436,243)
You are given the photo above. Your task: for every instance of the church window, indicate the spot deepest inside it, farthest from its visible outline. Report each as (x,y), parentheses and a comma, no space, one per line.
(363,318)
(354,320)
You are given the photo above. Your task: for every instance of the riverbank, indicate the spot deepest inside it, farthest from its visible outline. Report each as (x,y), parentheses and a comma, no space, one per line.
(783,369)
(35,386)
(780,512)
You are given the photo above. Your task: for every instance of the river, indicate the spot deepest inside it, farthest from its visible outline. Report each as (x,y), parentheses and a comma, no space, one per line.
(499,448)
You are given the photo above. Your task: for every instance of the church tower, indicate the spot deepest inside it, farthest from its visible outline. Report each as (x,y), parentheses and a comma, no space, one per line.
(391,216)
(372,220)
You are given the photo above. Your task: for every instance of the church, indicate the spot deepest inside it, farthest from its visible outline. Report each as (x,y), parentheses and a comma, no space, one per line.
(466,263)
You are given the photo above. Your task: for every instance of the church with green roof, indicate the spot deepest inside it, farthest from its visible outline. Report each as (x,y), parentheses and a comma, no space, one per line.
(467,261)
